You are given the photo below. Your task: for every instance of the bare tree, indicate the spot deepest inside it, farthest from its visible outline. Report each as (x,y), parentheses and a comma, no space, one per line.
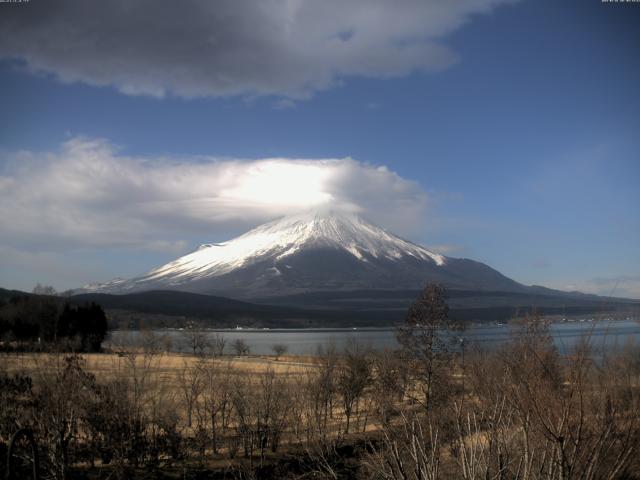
(390,381)
(321,391)
(423,338)
(217,345)
(578,420)
(243,401)
(271,412)
(62,398)
(413,452)
(191,385)
(217,399)
(149,409)
(153,343)
(354,376)
(240,347)
(196,338)
(279,349)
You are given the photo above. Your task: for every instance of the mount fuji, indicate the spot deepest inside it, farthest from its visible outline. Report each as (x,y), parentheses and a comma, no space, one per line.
(312,252)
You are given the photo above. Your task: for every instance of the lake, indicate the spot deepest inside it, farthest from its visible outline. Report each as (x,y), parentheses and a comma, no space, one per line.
(604,335)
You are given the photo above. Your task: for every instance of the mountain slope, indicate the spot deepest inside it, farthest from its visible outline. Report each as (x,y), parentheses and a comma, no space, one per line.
(315,251)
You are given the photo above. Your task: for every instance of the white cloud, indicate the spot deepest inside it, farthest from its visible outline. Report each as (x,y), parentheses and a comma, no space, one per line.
(89,195)
(190,48)
(626,286)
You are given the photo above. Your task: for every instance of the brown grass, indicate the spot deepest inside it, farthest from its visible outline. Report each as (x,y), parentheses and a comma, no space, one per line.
(103,364)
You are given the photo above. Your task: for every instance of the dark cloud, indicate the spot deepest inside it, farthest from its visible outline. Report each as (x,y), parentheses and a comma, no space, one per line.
(190,48)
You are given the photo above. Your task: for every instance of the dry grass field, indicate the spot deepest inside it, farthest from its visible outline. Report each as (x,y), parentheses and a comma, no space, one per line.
(356,413)
(166,364)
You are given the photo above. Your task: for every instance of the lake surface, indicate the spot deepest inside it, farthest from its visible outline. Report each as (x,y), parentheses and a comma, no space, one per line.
(603,336)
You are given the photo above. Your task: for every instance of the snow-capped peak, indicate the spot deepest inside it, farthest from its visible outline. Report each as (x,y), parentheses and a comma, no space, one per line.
(288,235)
(271,244)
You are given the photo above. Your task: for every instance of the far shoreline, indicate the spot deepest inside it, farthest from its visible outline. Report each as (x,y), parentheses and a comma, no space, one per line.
(475,325)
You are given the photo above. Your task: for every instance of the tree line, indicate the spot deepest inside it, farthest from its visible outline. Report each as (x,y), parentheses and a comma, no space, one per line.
(45,321)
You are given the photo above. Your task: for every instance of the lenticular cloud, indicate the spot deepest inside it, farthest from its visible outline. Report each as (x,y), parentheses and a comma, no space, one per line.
(88,194)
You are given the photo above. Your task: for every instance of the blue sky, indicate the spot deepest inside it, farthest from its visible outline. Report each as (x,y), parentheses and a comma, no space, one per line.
(520,143)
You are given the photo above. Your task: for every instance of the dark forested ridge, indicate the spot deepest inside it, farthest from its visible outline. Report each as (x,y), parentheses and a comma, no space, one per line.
(45,322)
(356,308)
(165,308)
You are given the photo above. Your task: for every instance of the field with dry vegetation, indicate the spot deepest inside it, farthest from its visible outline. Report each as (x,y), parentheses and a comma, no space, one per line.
(423,412)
